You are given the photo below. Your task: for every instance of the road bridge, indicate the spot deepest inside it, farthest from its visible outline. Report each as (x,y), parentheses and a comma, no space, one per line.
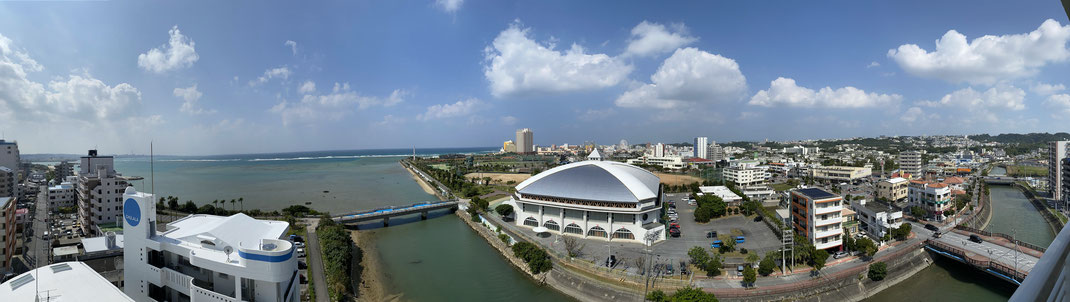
(997,254)
(385,213)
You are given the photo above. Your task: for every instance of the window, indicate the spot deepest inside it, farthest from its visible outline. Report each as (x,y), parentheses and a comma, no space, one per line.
(597,231)
(531,222)
(551,225)
(623,233)
(573,228)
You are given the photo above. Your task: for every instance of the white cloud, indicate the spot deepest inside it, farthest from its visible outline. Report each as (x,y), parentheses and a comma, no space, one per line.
(1060,102)
(784,92)
(292,45)
(517,65)
(873,64)
(273,73)
(652,38)
(460,108)
(332,106)
(509,120)
(190,96)
(1047,89)
(178,53)
(987,59)
(449,6)
(689,76)
(390,120)
(307,87)
(597,114)
(971,106)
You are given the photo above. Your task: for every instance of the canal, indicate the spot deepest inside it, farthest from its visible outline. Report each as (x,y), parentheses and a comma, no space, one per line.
(948,280)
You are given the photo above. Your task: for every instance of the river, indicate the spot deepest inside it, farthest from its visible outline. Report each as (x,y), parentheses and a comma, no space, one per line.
(948,280)
(439,259)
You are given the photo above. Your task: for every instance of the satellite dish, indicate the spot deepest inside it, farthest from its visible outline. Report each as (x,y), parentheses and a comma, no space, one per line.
(227,250)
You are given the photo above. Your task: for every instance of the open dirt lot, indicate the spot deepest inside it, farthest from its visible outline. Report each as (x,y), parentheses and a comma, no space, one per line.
(500,178)
(676,179)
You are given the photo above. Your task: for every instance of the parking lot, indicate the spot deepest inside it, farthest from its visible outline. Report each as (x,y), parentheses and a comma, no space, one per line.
(758,239)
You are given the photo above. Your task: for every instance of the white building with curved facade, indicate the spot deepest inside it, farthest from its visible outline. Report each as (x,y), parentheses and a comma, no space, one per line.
(593,199)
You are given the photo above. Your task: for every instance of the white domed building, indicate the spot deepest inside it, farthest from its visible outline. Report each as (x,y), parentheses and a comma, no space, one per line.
(593,199)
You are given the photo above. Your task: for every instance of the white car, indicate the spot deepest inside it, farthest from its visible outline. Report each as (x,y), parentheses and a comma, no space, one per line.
(300,252)
(299,244)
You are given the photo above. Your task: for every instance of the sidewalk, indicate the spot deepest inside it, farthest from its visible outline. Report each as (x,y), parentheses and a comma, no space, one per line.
(315,264)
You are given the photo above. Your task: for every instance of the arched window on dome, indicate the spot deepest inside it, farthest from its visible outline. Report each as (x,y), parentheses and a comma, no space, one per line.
(573,228)
(531,222)
(597,231)
(623,233)
(551,225)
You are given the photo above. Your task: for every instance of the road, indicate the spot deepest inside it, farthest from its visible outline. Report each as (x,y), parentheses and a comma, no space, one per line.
(315,264)
(37,248)
(996,252)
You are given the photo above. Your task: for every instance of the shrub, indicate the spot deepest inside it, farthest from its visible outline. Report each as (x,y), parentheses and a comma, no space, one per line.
(536,258)
(691,294)
(337,248)
(713,267)
(699,256)
(878,271)
(504,238)
(767,266)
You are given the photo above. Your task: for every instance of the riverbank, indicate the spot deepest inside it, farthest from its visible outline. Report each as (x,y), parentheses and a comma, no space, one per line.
(1053,222)
(371,284)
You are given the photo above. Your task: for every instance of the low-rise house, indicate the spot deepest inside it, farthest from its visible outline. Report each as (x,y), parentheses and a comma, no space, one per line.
(730,198)
(877,218)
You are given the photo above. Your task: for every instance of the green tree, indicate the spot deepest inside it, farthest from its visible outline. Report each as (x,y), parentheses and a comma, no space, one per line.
(819,259)
(691,294)
(713,266)
(767,266)
(918,212)
(698,255)
(902,232)
(877,271)
(748,275)
(657,296)
(172,203)
(866,246)
(752,258)
(232,202)
(504,210)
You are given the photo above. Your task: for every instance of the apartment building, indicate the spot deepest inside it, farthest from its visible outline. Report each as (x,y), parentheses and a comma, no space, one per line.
(935,198)
(205,257)
(99,192)
(893,189)
(910,162)
(835,174)
(877,218)
(63,195)
(7,233)
(666,162)
(746,173)
(1057,151)
(816,215)
(8,182)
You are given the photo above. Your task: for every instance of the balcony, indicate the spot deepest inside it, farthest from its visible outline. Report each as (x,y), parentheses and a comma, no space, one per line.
(831,220)
(831,232)
(828,209)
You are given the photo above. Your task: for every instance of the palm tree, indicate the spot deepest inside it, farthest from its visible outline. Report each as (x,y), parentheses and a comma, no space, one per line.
(215,202)
(242,201)
(232,201)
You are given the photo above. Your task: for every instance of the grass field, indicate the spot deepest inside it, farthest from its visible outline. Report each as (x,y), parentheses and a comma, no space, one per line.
(1058,215)
(780,187)
(677,179)
(500,178)
(1017,171)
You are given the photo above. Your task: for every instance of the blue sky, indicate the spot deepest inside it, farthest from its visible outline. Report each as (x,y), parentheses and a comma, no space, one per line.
(236,77)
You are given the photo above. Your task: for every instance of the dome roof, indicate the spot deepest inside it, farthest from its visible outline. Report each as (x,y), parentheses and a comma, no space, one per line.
(594,180)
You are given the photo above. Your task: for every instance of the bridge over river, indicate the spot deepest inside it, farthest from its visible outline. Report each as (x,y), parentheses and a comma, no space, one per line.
(997,254)
(385,213)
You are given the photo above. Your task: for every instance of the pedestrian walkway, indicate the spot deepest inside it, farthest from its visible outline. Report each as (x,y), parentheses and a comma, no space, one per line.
(315,264)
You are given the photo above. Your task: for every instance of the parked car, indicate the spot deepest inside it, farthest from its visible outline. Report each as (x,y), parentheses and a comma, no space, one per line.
(716,244)
(683,268)
(299,244)
(976,239)
(936,235)
(711,234)
(668,269)
(740,239)
(674,232)
(300,252)
(931,227)
(839,255)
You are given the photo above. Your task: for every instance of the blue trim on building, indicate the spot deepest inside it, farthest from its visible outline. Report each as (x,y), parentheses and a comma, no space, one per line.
(266,258)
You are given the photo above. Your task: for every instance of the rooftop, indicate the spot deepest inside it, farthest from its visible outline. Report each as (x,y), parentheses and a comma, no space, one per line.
(896,180)
(594,180)
(876,207)
(815,193)
(224,230)
(723,192)
(67,281)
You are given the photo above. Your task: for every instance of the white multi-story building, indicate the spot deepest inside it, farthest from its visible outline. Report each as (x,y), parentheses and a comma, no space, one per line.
(10,158)
(659,150)
(714,152)
(205,257)
(1057,151)
(63,195)
(910,162)
(877,218)
(746,173)
(701,147)
(593,199)
(840,173)
(8,182)
(761,193)
(667,162)
(67,281)
(7,232)
(100,192)
(525,141)
(935,198)
(816,215)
